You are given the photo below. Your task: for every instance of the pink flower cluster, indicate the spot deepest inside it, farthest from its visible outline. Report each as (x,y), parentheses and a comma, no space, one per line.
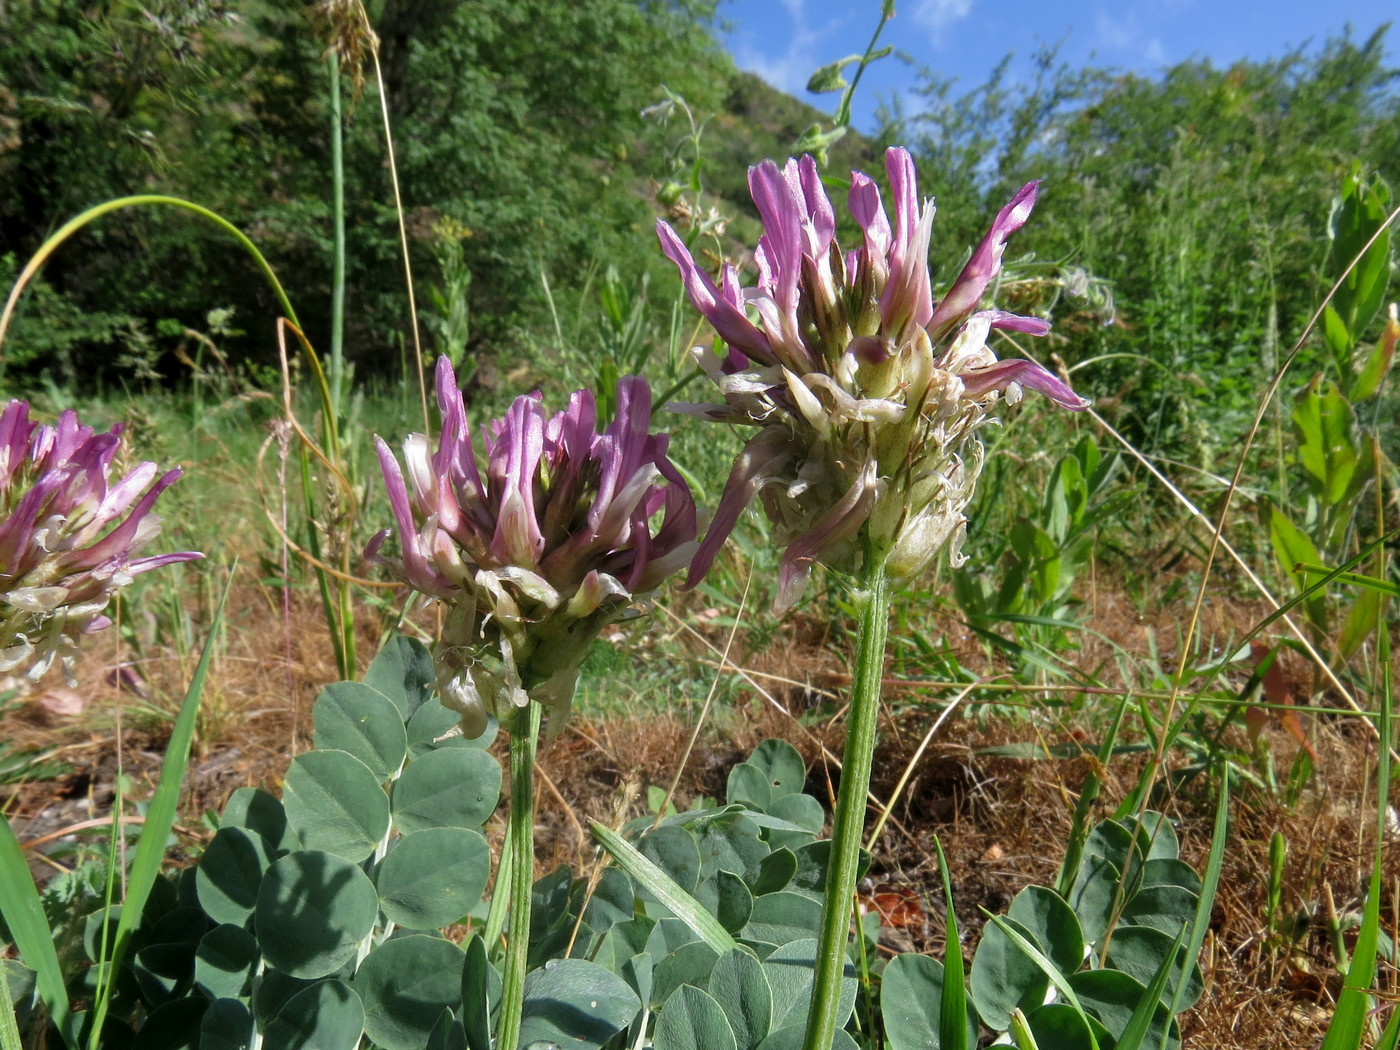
(554,531)
(866,394)
(69,537)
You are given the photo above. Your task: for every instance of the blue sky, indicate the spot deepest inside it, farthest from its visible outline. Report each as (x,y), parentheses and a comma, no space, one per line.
(785,40)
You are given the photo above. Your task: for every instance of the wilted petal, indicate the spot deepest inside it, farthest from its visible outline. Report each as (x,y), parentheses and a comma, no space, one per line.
(838,524)
(761,460)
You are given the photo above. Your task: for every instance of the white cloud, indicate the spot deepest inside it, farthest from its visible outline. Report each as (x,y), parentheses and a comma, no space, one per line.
(938,15)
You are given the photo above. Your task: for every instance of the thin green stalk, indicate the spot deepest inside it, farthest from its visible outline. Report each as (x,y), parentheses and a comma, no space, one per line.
(521,819)
(337,368)
(872,600)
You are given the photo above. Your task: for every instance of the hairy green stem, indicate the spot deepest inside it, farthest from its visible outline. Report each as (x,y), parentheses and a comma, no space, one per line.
(873,603)
(521,819)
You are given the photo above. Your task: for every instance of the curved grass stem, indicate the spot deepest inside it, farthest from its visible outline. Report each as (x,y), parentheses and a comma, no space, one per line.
(873,605)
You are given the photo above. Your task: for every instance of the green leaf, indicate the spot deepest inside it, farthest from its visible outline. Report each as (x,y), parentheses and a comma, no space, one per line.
(433,726)
(432,878)
(749,787)
(794,1037)
(447,788)
(1004,978)
(664,889)
(226,1025)
(781,918)
(1139,951)
(335,804)
(772,873)
(911,998)
(164,972)
(173,1026)
(476,1001)
(1165,908)
(1113,997)
(575,1005)
(1062,1027)
(405,984)
(229,874)
(24,915)
(688,964)
(726,896)
(1377,364)
(353,717)
(781,767)
(1052,924)
(674,851)
(1360,212)
(740,987)
(224,962)
(447,1034)
(828,78)
(1162,871)
(313,910)
(729,843)
(1094,895)
(253,809)
(326,1016)
(402,673)
(692,1020)
(790,970)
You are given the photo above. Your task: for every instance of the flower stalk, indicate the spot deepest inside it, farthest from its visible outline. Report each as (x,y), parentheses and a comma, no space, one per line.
(872,599)
(524,737)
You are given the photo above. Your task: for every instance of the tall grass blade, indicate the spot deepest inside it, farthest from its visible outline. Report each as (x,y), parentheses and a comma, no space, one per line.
(9,1026)
(160,816)
(952,1012)
(681,904)
(29,926)
(1347,1030)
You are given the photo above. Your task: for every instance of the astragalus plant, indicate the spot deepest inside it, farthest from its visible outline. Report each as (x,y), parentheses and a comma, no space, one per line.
(865,397)
(557,529)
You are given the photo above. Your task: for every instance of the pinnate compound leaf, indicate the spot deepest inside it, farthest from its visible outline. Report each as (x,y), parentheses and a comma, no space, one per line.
(452,787)
(229,874)
(326,1016)
(352,717)
(313,910)
(911,994)
(431,878)
(335,804)
(575,1005)
(692,1020)
(405,984)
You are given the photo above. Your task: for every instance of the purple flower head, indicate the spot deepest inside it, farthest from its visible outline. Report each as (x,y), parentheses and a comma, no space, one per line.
(68,536)
(865,391)
(549,533)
